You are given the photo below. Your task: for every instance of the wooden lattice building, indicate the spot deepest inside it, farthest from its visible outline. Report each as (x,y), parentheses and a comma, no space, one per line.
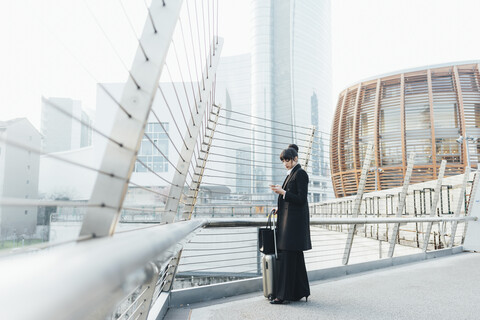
(424,110)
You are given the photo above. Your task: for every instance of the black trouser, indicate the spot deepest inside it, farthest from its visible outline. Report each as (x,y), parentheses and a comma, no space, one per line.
(292,280)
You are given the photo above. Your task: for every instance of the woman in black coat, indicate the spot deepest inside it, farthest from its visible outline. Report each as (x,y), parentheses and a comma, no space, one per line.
(293,231)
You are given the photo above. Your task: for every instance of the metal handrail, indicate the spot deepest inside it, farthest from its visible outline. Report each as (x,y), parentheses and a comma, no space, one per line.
(258,222)
(70,282)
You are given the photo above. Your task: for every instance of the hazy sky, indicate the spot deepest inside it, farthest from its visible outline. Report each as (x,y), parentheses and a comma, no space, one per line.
(47,44)
(381,36)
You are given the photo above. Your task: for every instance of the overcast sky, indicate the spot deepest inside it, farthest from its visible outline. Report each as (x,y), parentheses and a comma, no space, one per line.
(46,45)
(380,36)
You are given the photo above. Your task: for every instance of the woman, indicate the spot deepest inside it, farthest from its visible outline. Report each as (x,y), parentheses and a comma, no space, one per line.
(293,231)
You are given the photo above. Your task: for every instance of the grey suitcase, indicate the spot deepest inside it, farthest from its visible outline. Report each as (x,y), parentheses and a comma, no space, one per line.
(268,270)
(269,262)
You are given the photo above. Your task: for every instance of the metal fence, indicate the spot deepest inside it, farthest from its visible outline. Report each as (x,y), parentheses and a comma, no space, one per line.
(219,254)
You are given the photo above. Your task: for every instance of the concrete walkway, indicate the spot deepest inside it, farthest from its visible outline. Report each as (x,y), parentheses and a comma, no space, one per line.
(442,288)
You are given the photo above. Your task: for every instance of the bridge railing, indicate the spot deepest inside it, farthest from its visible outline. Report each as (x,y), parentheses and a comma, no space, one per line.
(226,249)
(92,278)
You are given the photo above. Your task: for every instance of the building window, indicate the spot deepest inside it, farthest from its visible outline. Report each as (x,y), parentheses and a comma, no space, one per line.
(446,116)
(390,91)
(150,152)
(369,95)
(364,127)
(477,115)
(243,170)
(447,149)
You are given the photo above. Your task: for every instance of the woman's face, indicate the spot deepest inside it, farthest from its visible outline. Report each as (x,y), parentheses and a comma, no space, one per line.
(289,164)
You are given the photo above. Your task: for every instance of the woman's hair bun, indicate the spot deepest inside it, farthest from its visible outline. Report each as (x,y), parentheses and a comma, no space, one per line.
(293,146)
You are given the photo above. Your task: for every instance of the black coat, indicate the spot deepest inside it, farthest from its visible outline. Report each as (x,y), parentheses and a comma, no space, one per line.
(293,233)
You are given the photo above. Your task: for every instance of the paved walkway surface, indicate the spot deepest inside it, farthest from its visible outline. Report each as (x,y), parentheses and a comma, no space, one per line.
(442,288)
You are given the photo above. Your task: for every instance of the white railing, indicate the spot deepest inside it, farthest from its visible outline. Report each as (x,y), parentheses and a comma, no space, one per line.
(87,279)
(90,278)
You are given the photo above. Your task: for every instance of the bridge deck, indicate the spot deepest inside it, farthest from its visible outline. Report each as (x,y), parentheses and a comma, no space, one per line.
(443,288)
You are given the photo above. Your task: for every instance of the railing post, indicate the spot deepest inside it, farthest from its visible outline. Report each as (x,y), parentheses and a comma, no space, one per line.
(415,214)
(308,148)
(472,234)
(129,124)
(401,203)
(259,269)
(460,202)
(358,202)
(170,277)
(378,216)
(171,207)
(433,207)
(146,293)
(192,194)
(195,124)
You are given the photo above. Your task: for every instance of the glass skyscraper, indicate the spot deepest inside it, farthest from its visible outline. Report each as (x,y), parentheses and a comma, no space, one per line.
(291,84)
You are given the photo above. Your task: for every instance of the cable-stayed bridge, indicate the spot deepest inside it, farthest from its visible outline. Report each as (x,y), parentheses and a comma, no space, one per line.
(179,185)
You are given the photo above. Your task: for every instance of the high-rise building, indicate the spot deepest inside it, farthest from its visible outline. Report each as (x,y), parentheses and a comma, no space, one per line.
(233,94)
(18,177)
(291,85)
(62,132)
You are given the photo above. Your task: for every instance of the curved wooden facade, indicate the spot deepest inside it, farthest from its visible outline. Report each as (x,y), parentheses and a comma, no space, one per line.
(422,111)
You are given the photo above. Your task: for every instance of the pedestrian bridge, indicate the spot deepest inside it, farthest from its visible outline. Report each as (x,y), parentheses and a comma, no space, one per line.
(191,253)
(132,275)
(205,267)
(440,288)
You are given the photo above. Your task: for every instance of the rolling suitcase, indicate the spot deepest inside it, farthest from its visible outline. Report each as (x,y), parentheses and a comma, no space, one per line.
(269,266)
(268,271)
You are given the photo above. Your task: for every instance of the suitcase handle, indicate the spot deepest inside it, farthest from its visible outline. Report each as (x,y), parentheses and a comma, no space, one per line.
(271,225)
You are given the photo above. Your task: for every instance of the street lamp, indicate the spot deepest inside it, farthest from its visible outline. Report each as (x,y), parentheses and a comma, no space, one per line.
(377,171)
(467,139)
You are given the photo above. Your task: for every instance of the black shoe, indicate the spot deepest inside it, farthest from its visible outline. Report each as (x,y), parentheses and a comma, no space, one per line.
(278,301)
(306,298)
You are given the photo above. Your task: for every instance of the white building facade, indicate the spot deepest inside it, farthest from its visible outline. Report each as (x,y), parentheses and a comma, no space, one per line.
(18,177)
(61,132)
(61,179)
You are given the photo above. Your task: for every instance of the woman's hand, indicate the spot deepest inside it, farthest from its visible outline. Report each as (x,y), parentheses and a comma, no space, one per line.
(277,189)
